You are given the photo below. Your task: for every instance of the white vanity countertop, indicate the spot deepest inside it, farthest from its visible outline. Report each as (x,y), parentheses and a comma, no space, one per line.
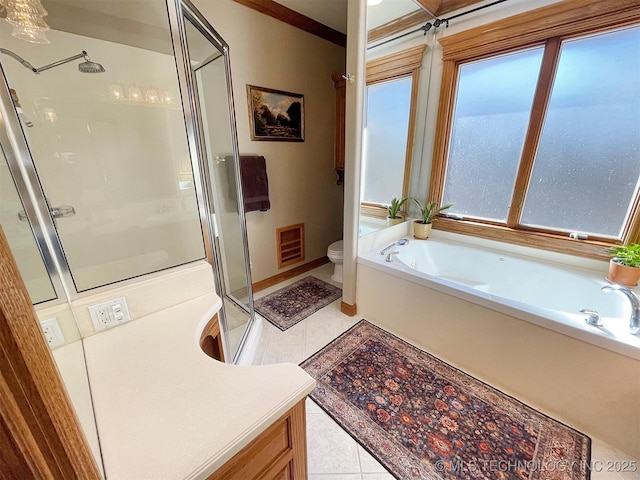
(165,410)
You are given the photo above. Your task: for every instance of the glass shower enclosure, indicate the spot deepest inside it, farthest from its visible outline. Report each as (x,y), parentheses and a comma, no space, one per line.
(120,158)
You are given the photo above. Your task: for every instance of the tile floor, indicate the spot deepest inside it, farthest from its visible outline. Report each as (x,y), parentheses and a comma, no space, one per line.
(332,453)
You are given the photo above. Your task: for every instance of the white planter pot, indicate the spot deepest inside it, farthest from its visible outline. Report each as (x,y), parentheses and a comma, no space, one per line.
(421,230)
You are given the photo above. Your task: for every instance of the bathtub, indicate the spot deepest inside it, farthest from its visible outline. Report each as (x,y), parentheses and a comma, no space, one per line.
(545,293)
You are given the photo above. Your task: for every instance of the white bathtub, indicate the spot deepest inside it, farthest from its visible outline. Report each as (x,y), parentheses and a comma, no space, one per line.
(544,293)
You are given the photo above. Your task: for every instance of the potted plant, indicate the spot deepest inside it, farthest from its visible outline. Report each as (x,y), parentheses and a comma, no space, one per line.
(422,228)
(394,209)
(624,266)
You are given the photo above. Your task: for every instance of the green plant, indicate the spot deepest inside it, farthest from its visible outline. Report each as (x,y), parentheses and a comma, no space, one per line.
(430,210)
(394,208)
(628,255)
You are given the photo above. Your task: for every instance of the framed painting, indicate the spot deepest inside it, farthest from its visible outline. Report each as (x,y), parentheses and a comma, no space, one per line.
(275,115)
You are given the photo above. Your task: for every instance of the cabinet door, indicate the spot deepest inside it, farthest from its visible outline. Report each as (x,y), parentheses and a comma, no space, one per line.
(278,453)
(339,84)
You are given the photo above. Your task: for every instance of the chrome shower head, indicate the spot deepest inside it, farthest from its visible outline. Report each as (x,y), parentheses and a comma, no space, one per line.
(90,67)
(85,67)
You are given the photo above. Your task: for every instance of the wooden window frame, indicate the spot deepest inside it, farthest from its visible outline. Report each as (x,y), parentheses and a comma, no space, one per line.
(547,26)
(406,63)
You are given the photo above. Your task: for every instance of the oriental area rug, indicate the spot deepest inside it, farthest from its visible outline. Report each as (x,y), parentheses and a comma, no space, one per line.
(421,418)
(287,306)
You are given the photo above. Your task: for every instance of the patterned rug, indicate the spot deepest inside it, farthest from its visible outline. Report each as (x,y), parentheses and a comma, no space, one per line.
(422,418)
(287,306)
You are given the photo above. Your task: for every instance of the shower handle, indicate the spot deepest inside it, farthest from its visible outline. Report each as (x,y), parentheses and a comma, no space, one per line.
(56,212)
(62,211)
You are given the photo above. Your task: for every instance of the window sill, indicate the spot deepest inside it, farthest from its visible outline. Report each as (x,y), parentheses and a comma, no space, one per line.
(582,248)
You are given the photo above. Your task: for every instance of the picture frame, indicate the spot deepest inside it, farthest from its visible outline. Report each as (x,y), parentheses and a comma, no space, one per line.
(275,115)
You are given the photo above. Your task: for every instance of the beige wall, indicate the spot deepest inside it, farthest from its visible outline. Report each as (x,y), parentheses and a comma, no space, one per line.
(302,182)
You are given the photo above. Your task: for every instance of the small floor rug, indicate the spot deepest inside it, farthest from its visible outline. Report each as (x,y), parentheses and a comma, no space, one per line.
(422,418)
(287,306)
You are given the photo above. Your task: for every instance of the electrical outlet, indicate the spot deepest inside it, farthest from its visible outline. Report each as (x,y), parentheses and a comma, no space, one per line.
(52,332)
(109,314)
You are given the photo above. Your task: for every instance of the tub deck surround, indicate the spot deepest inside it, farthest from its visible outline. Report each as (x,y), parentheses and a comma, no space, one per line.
(590,388)
(541,292)
(165,410)
(587,387)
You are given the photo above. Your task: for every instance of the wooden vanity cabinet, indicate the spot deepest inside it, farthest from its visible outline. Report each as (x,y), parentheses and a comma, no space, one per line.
(211,339)
(278,453)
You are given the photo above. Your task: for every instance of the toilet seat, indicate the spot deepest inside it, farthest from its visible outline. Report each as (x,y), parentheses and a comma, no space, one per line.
(335,250)
(336,254)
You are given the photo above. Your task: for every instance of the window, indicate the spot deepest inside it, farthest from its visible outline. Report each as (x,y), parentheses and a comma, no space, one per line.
(491,116)
(388,105)
(540,137)
(391,95)
(586,168)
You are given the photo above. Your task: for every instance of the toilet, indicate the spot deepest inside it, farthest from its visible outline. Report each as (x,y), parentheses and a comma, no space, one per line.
(336,254)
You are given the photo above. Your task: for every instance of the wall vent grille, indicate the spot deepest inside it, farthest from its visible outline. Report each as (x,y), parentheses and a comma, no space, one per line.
(290,244)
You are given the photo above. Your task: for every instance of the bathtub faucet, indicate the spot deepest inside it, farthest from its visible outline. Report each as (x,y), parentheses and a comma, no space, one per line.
(390,256)
(384,250)
(634,320)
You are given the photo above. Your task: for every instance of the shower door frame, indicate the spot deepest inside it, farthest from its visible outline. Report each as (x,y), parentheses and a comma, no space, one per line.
(200,167)
(34,202)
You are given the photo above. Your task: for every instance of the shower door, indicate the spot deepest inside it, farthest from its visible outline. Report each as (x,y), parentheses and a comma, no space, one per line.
(208,55)
(22,240)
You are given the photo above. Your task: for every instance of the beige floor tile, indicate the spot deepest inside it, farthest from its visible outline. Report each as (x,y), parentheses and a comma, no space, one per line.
(629,472)
(604,475)
(368,464)
(294,335)
(330,449)
(378,476)
(609,463)
(312,407)
(283,354)
(331,476)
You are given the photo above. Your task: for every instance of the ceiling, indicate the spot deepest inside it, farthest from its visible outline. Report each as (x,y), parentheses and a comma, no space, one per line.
(333,13)
(151,13)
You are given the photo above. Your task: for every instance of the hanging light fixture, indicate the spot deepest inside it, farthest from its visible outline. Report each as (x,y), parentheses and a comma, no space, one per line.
(116,92)
(135,94)
(166,97)
(27,18)
(151,95)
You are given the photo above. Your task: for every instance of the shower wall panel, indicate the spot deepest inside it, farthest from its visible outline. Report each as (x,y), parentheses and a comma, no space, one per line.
(113,146)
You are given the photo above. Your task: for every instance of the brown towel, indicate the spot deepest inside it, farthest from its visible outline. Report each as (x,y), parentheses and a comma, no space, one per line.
(255,184)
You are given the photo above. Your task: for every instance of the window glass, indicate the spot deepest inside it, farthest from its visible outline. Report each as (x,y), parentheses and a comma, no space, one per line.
(491,116)
(587,166)
(385,142)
